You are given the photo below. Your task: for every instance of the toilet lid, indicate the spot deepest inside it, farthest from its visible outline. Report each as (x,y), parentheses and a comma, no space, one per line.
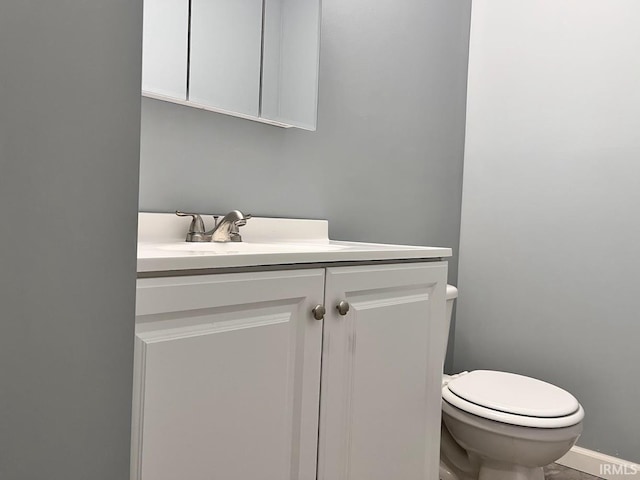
(514,394)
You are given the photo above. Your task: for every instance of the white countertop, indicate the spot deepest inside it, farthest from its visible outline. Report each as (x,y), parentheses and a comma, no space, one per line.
(266,241)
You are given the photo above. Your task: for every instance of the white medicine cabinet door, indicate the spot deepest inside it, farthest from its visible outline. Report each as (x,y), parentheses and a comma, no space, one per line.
(165,48)
(291,40)
(227,376)
(225,61)
(382,372)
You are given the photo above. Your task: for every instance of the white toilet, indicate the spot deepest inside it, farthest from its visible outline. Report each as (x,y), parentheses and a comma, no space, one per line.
(503,426)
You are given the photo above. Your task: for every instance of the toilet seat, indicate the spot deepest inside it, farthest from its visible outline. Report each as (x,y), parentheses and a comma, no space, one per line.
(513,399)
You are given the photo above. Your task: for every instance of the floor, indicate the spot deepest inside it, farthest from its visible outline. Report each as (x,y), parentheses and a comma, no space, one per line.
(558,472)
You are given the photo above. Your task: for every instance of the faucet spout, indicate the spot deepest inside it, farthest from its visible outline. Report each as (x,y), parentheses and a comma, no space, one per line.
(226,230)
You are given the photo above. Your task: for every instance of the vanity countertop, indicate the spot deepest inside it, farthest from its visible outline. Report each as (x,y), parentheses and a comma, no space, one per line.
(266,241)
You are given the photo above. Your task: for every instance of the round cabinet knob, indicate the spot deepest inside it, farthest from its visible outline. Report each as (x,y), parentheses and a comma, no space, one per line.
(343,307)
(318,312)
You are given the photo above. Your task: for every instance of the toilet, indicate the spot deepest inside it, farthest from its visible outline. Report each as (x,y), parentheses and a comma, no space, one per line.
(503,426)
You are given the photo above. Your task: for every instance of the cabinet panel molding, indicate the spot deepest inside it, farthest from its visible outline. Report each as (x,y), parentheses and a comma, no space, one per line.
(190,293)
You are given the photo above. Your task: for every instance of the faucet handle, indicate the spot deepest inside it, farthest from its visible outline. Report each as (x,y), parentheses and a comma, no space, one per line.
(196,231)
(197,225)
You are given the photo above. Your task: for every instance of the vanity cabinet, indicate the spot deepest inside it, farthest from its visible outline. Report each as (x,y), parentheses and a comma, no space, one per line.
(236,378)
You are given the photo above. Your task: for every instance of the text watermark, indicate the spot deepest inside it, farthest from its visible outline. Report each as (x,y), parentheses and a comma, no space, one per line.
(618,469)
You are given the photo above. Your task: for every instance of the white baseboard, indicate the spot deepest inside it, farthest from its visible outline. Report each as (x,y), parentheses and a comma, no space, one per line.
(600,465)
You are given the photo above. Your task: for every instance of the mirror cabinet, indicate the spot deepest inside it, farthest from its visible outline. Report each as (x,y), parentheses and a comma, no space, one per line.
(256,59)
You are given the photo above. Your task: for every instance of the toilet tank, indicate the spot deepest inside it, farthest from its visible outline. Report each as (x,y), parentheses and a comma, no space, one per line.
(452,294)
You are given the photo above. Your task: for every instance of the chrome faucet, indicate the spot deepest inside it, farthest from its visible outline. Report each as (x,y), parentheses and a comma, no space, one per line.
(226,230)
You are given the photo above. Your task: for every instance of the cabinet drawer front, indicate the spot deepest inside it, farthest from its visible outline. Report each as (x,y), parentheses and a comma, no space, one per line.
(227,376)
(381,372)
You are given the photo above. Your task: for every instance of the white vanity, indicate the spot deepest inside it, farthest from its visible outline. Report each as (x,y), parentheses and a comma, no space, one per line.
(239,374)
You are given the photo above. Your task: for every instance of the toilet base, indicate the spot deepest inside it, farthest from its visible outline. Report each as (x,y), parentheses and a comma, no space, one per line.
(492,470)
(447,472)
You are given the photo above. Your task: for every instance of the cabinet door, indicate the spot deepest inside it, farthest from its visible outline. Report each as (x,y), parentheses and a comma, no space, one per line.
(226,44)
(164,48)
(382,373)
(290,62)
(227,377)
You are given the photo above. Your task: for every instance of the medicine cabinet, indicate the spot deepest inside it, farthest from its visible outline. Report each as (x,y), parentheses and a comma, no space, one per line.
(255,59)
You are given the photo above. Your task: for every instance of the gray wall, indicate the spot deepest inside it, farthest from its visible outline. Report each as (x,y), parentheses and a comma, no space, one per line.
(385,164)
(69,143)
(551,205)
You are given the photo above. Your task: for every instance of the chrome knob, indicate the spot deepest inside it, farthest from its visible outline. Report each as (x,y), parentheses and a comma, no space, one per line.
(343,307)
(318,312)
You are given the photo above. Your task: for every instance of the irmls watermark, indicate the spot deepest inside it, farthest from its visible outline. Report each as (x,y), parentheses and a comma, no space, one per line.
(618,469)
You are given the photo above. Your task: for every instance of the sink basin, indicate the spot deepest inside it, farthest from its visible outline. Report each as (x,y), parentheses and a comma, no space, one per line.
(244,248)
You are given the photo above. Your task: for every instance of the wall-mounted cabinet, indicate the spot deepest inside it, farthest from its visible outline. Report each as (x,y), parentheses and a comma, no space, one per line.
(256,59)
